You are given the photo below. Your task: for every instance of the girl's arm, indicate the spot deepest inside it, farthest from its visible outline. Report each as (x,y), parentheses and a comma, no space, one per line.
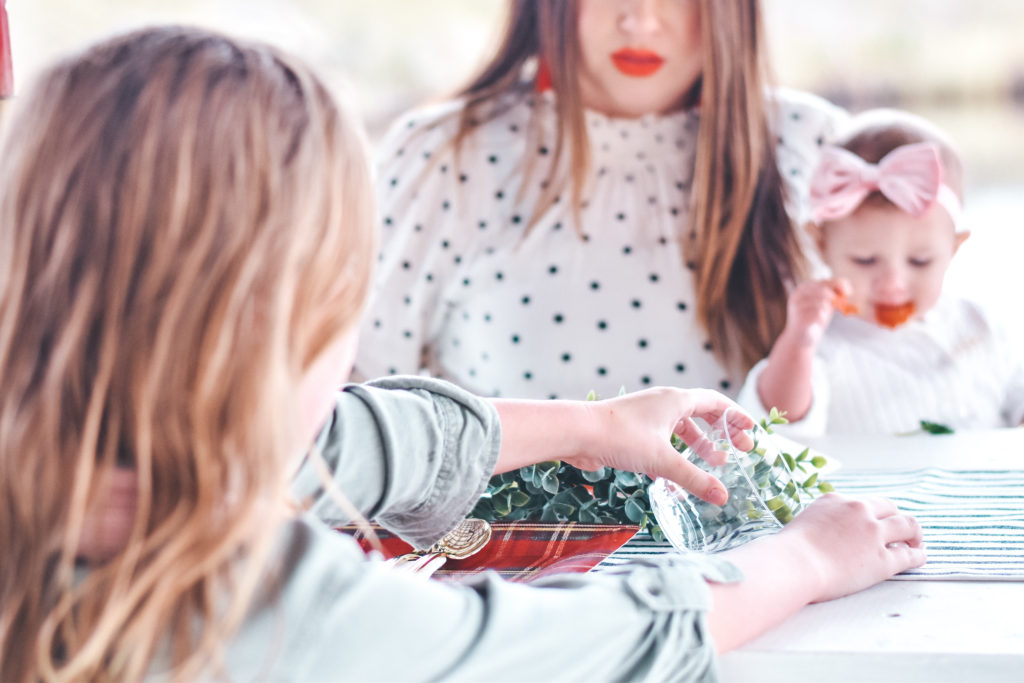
(785,382)
(629,432)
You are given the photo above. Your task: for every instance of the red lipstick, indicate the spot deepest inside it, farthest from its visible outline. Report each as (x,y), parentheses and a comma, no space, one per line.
(636,62)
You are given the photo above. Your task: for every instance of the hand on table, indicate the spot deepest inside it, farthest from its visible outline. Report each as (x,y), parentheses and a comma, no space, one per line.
(853,543)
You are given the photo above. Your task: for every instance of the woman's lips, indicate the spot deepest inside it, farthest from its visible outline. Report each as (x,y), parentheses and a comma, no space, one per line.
(637,63)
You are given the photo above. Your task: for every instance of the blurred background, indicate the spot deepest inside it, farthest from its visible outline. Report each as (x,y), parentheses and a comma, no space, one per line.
(960,63)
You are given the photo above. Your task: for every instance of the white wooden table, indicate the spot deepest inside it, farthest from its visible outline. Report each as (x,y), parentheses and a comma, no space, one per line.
(903,630)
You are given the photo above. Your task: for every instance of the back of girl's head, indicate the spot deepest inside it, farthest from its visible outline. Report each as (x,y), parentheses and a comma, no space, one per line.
(184,225)
(874,133)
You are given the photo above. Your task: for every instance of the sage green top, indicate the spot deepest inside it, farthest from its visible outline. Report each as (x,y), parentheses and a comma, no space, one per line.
(415,454)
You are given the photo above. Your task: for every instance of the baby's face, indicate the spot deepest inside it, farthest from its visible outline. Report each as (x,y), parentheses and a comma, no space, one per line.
(894,261)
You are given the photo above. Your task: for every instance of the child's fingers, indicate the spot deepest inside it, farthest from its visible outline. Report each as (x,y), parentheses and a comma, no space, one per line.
(901,529)
(842,286)
(695,480)
(711,406)
(699,443)
(907,557)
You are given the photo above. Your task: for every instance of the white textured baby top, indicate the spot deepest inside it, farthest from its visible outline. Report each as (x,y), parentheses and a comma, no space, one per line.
(955,366)
(466,292)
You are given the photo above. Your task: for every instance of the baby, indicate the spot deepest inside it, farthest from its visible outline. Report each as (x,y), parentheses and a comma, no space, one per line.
(885,214)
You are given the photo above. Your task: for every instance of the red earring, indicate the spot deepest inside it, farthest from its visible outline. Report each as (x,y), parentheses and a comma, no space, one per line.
(543,82)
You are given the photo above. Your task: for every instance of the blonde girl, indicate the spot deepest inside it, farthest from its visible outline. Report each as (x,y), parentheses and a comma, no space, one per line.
(185,235)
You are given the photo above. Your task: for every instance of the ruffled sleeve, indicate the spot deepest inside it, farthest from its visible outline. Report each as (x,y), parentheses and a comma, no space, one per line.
(804,123)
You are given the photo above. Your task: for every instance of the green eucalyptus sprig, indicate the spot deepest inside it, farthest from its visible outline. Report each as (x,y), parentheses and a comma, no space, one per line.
(555,491)
(789,482)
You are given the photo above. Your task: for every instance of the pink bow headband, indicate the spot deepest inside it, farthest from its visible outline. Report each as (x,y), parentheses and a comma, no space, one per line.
(909,176)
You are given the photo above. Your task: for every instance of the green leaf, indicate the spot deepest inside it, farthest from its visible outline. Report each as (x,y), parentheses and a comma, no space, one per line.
(789,461)
(519,499)
(634,510)
(502,504)
(784,514)
(624,478)
(549,481)
(825,487)
(596,475)
(803,454)
(811,481)
(592,396)
(936,428)
(819,461)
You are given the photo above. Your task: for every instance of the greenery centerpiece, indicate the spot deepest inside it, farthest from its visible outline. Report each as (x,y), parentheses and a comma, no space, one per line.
(554,491)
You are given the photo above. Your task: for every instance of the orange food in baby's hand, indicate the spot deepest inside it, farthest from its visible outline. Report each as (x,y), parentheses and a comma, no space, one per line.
(895,315)
(844,305)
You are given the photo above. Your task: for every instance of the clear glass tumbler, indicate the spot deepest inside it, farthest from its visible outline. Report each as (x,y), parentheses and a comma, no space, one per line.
(763,496)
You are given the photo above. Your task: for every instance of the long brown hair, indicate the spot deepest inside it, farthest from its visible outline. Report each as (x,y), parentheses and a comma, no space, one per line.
(184,227)
(743,247)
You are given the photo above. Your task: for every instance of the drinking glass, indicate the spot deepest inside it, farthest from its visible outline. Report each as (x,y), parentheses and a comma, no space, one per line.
(763,495)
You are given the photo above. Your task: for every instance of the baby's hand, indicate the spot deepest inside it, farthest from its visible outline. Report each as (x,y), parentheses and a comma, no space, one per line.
(811,306)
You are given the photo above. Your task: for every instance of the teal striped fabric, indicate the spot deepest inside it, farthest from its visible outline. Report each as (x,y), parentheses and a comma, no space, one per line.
(973,521)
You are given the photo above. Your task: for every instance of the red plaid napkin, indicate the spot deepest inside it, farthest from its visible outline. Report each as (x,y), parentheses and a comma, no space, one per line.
(522,551)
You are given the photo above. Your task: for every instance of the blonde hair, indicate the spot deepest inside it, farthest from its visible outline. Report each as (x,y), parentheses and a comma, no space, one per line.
(185,224)
(742,247)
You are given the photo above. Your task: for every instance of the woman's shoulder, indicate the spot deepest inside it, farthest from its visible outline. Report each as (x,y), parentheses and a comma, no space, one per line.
(502,120)
(801,117)
(792,101)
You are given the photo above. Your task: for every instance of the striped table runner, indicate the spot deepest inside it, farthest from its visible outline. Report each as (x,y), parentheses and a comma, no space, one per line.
(973,521)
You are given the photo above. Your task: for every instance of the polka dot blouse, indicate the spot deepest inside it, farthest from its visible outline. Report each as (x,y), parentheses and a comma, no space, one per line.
(463,291)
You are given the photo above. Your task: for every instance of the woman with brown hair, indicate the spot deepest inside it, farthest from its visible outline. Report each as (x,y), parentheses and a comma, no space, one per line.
(608,203)
(185,240)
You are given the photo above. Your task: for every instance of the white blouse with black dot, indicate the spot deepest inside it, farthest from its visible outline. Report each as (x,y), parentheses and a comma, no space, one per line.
(465,292)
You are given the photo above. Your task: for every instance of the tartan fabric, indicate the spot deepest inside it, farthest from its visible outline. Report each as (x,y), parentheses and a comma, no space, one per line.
(6,68)
(522,551)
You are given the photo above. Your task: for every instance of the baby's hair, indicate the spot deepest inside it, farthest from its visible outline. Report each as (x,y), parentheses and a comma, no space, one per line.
(185,224)
(874,133)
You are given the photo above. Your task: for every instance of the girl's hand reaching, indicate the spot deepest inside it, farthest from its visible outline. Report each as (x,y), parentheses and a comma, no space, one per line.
(810,309)
(630,432)
(786,381)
